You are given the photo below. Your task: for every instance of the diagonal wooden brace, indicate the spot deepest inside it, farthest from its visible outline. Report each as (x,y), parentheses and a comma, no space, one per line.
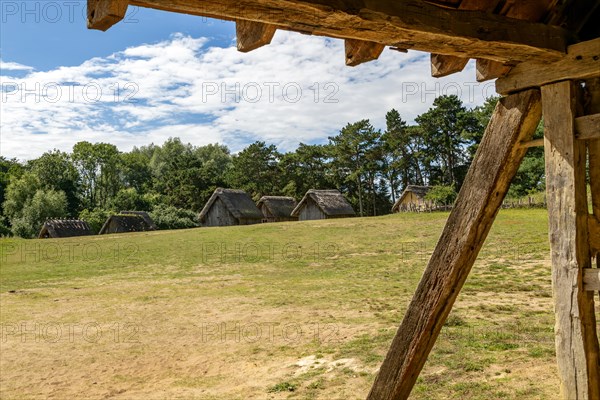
(514,121)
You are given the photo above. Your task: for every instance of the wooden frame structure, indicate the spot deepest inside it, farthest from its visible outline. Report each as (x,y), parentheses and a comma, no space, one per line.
(546,56)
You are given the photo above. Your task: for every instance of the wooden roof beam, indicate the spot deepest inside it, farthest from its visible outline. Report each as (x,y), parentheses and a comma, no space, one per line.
(411,24)
(359,51)
(102,14)
(252,35)
(582,62)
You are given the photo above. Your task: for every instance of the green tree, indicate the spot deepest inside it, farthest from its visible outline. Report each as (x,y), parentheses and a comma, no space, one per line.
(447,127)
(55,171)
(43,205)
(309,167)
(98,166)
(397,156)
(352,150)
(177,174)
(255,169)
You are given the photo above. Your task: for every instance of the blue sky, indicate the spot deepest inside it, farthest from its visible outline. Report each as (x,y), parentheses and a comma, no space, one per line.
(158,74)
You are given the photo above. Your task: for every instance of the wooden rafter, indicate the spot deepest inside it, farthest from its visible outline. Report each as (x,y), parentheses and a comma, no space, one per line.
(497,160)
(403,23)
(582,62)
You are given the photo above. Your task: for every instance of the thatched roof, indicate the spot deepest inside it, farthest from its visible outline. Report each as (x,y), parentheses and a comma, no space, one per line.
(279,206)
(125,223)
(331,202)
(238,202)
(62,228)
(419,191)
(144,215)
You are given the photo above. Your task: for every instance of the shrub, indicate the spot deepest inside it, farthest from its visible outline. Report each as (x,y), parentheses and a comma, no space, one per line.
(441,195)
(95,218)
(170,217)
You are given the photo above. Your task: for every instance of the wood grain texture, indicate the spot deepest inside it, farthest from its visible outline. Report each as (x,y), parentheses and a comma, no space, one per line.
(490,69)
(496,163)
(359,51)
(443,65)
(591,279)
(587,127)
(577,349)
(582,62)
(252,35)
(102,14)
(411,24)
(594,234)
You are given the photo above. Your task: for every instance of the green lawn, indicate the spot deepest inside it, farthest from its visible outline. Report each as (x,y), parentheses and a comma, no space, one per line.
(293,310)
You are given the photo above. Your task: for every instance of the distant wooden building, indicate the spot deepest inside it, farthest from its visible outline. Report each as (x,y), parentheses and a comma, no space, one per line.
(63,228)
(144,215)
(227,207)
(413,199)
(323,204)
(123,223)
(277,208)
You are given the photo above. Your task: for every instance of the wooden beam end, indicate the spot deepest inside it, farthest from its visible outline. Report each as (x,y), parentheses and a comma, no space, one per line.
(252,35)
(489,69)
(102,14)
(360,51)
(444,65)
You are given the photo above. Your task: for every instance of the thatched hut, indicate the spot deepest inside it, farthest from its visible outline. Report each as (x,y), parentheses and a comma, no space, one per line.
(323,204)
(413,199)
(277,208)
(63,228)
(227,207)
(123,223)
(144,215)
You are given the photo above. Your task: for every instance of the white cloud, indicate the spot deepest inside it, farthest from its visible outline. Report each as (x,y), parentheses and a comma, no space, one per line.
(13,66)
(295,90)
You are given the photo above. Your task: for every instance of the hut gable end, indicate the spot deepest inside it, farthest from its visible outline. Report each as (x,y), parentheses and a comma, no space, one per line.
(230,207)
(277,208)
(320,204)
(125,223)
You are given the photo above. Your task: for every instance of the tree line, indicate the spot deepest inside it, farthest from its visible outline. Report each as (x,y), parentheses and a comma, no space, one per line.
(174,180)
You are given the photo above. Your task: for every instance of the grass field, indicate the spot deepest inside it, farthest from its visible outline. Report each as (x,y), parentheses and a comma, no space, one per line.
(293,310)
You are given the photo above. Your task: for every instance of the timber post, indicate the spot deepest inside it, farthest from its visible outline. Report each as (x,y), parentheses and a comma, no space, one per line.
(575,326)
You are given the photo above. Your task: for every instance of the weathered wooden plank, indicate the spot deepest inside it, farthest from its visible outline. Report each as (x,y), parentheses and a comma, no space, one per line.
(443,65)
(411,24)
(252,35)
(577,349)
(102,14)
(533,143)
(359,51)
(591,279)
(497,160)
(490,69)
(594,234)
(582,62)
(587,127)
